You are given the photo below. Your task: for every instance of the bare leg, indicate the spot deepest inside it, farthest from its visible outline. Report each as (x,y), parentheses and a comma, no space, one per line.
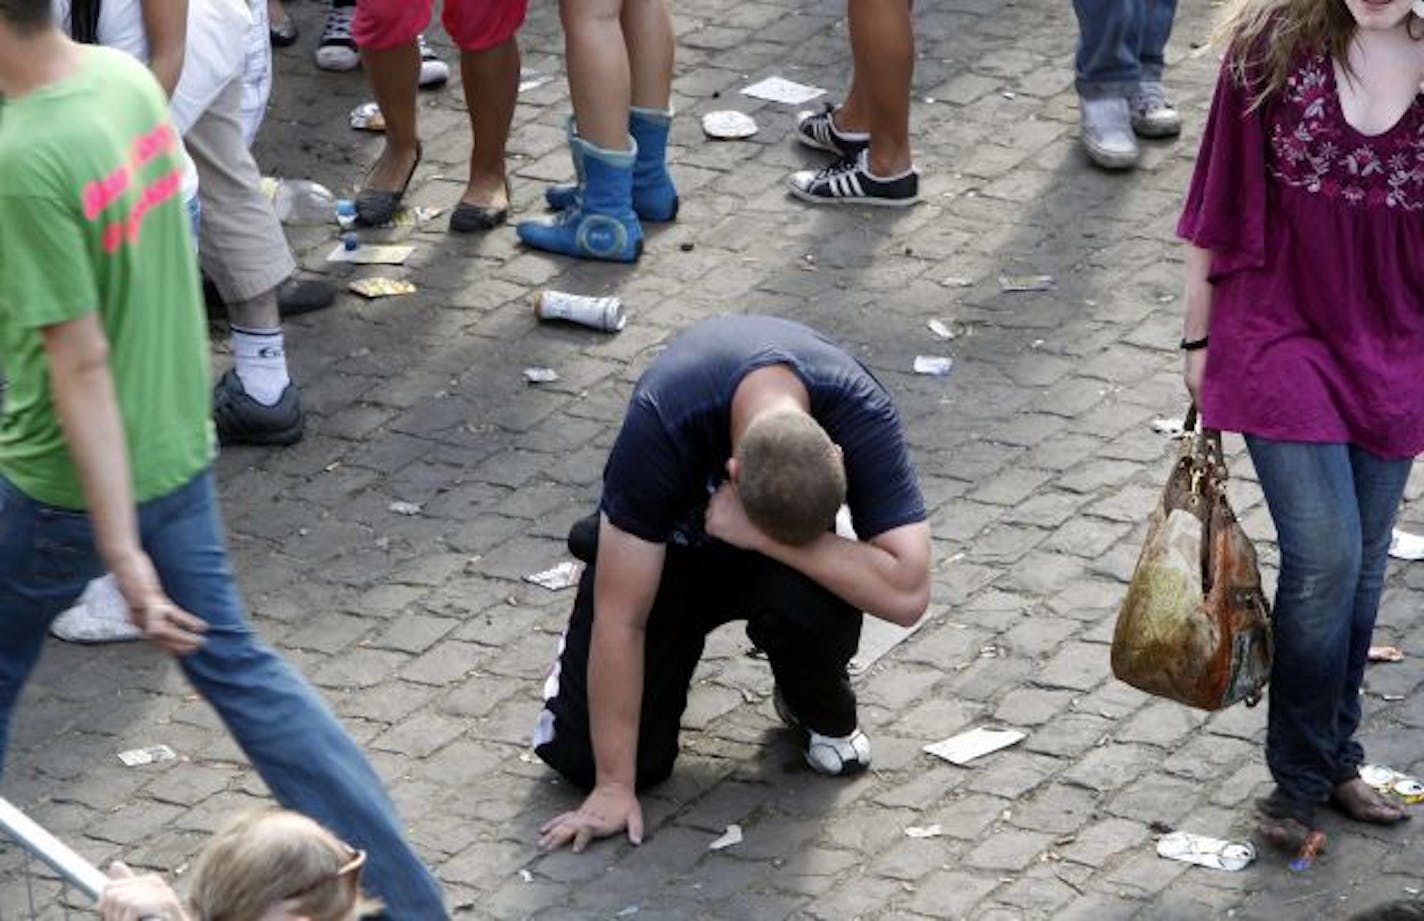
(491,80)
(259,312)
(394,73)
(647,34)
(882,44)
(597,61)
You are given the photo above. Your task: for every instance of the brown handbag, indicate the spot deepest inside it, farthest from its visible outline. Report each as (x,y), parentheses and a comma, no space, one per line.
(1195,626)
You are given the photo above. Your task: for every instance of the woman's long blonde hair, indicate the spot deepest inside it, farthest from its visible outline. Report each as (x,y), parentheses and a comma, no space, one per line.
(270,857)
(1263,38)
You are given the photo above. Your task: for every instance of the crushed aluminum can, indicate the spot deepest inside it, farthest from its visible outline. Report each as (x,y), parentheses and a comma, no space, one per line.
(1409,789)
(565,575)
(367,117)
(605,313)
(150,755)
(933,365)
(1206,852)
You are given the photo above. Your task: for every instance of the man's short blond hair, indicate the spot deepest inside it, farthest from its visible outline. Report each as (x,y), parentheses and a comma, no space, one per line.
(791,481)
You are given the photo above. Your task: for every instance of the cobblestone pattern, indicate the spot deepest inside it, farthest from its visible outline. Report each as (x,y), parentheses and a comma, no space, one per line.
(1036,456)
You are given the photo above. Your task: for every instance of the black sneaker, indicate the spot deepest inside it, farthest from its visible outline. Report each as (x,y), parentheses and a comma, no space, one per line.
(337,49)
(817,131)
(849,183)
(241,420)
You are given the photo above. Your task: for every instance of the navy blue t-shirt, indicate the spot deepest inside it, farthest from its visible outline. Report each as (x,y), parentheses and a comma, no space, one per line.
(672,451)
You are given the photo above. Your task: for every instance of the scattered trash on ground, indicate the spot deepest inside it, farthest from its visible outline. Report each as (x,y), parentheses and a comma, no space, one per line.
(941,329)
(1163,425)
(933,365)
(1385,654)
(413,216)
(404,508)
(1395,783)
(956,281)
(1205,852)
(928,831)
(540,375)
(381,287)
(728,124)
(975,743)
(526,876)
(151,755)
(99,616)
(605,313)
(779,89)
(530,79)
(733,835)
(1314,844)
(372,254)
(627,912)
(1014,283)
(367,117)
(345,213)
(565,575)
(1406,546)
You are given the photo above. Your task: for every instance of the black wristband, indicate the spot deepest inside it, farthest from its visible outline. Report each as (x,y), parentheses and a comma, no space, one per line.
(1192,345)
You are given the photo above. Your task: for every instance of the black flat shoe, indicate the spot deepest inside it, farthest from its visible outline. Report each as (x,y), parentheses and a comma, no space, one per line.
(468,218)
(375,207)
(297,296)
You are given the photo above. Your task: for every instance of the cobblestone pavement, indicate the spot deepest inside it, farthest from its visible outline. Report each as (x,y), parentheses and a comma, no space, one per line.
(1037,459)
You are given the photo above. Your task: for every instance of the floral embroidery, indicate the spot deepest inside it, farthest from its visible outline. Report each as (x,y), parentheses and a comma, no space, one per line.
(1313,150)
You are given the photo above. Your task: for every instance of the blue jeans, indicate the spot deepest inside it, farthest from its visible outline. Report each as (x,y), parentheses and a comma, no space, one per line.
(1120,44)
(1333,506)
(47,555)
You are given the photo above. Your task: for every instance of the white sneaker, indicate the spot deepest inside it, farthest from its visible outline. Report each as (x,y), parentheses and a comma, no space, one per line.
(337,49)
(1152,115)
(835,756)
(433,71)
(1107,132)
(99,616)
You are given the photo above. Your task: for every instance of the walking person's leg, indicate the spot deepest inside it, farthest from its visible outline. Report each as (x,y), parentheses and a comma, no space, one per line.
(1379,486)
(1108,70)
(1153,116)
(1311,492)
(387,32)
(308,761)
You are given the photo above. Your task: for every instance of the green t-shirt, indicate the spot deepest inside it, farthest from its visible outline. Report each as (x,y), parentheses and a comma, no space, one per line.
(91,219)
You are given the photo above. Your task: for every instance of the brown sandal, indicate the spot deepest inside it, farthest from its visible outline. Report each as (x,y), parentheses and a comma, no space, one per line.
(1363,803)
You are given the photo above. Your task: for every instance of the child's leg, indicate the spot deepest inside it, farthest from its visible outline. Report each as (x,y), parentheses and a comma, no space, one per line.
(274,715)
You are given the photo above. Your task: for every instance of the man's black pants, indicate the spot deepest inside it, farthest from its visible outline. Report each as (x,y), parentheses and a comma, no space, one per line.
(807,633)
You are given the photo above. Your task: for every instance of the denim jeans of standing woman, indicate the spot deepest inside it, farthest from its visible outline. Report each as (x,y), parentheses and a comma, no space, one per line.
(1334,507)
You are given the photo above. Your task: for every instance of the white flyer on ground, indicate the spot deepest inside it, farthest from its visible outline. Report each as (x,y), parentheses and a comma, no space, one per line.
(967,746)
(779,89)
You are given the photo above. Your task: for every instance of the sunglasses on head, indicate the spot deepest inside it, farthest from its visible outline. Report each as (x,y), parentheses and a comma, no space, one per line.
(356,859)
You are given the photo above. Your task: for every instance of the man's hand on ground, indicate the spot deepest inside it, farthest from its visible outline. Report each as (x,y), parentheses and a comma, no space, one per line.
(607,811)
(728,522)
(163,623)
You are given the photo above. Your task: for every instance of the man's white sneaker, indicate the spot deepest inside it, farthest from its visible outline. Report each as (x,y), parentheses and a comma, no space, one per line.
(1153,116)
(836,756)
(1107,132)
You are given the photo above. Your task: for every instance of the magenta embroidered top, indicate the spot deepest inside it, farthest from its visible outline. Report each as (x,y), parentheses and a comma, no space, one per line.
(1317,240)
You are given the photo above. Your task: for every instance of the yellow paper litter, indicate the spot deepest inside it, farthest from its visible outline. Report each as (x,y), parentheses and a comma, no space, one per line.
(381,287)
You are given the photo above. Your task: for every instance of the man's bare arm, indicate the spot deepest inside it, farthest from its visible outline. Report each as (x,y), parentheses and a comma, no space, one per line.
(88,411)
(626,578)
(887,576)
(165,25)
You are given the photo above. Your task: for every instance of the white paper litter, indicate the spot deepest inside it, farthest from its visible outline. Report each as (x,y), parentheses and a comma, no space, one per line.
(928,831)
(404,508)
(733,835)
(727,124)
(526,876)
(372,254)
(565,575)
(154,753)
(540,375)
(1406,546)
(1164,426)
(940,329)
(967,746)
(779,89)
(933,365)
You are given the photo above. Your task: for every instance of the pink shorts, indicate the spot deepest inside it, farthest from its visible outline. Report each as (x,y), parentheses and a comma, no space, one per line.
(473,25)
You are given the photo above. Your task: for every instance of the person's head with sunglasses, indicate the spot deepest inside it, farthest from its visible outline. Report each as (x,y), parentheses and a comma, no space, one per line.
(262,866)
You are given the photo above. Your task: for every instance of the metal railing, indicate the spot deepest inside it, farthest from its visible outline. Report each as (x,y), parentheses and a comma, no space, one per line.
(41,878)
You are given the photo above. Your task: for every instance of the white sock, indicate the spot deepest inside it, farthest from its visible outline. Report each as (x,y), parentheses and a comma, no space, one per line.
(261,363)
(847,135)
(865,165)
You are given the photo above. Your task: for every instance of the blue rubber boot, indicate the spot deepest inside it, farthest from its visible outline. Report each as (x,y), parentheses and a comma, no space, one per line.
(601,223)
(565,194)
(654,196)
